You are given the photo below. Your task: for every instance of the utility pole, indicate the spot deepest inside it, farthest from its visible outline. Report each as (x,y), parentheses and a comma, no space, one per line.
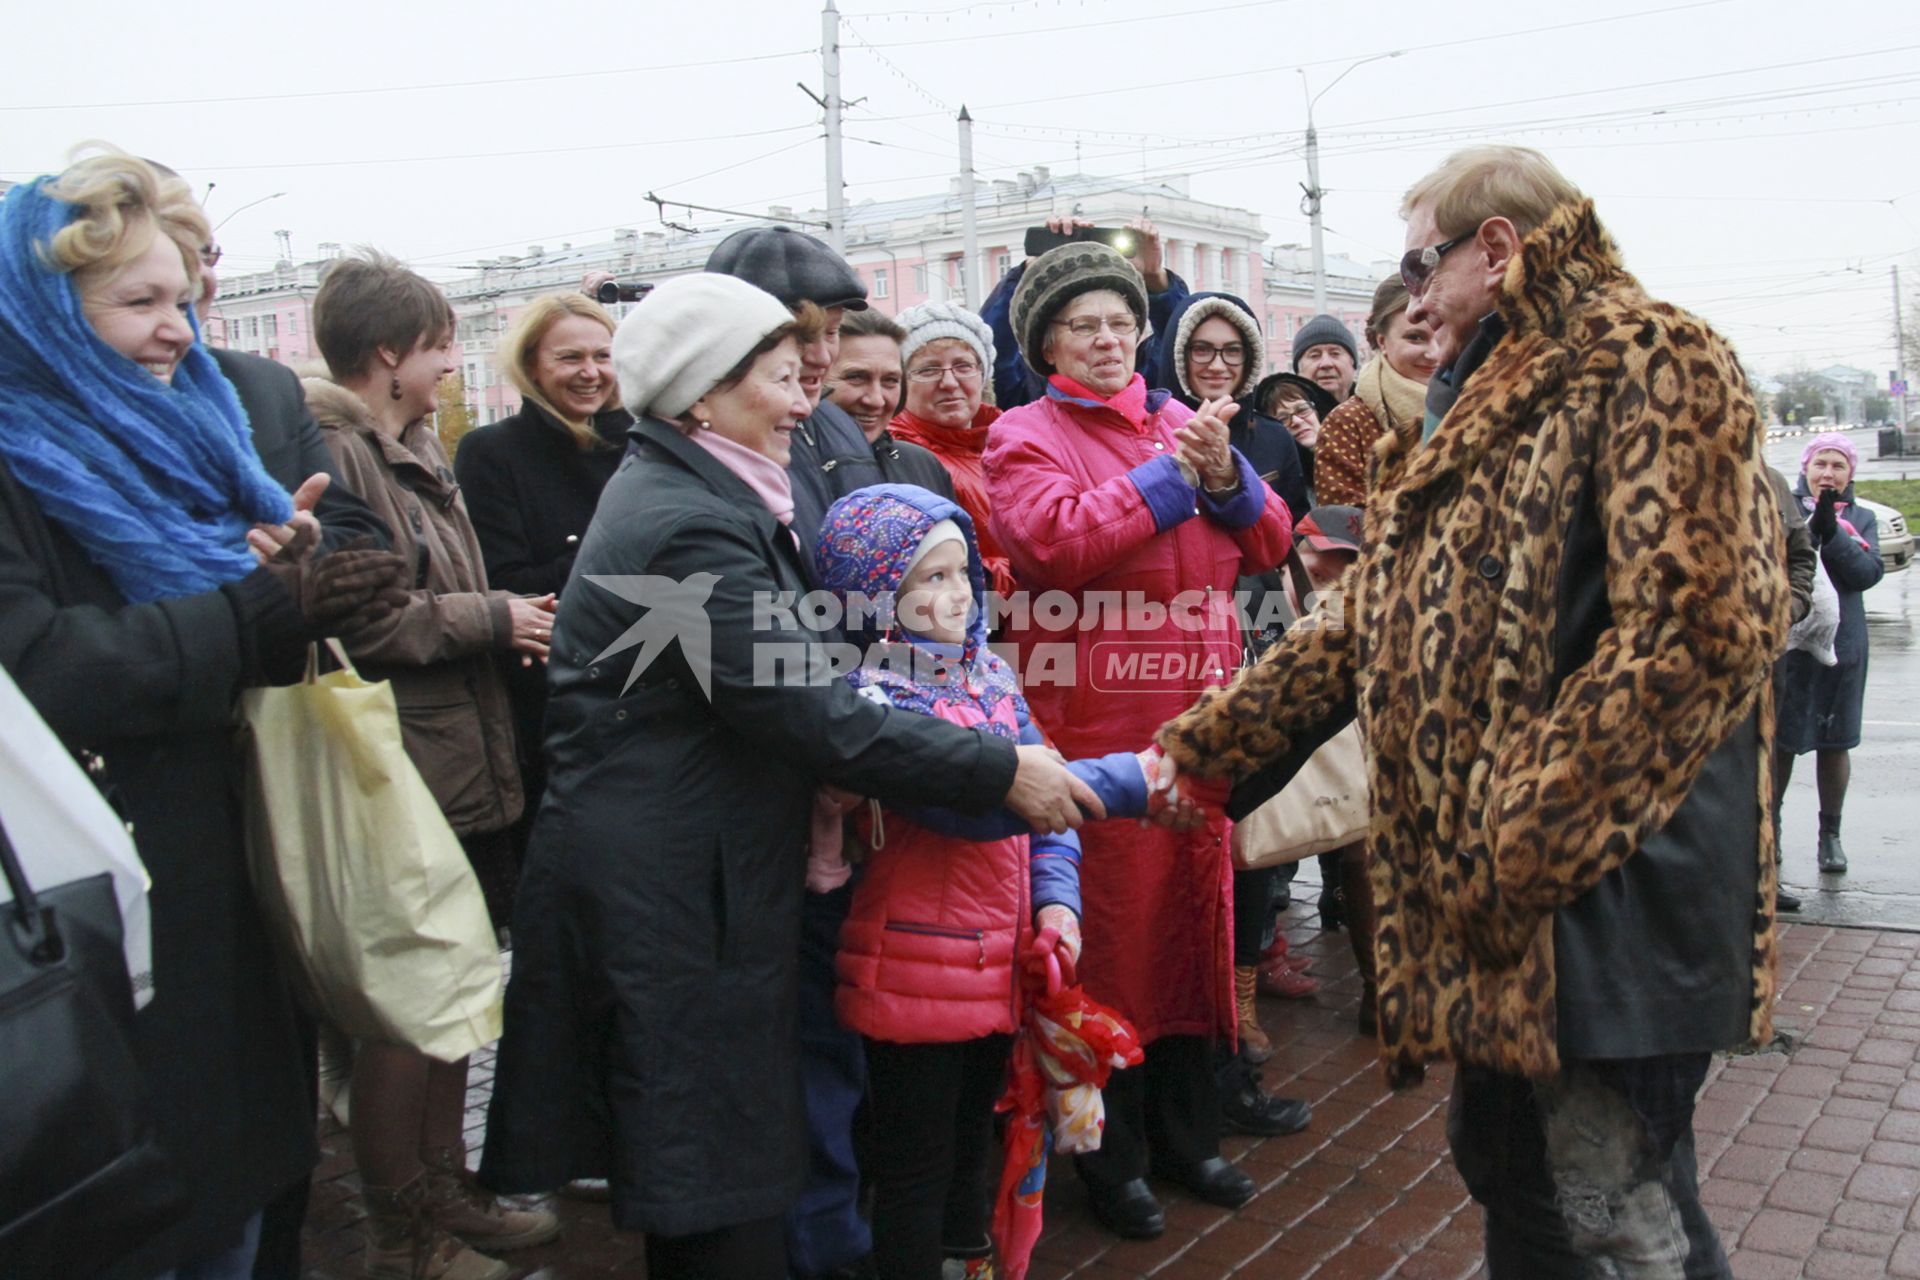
(1899,358)
(836,185)
(970,273)
(1311,205)
(1313,215)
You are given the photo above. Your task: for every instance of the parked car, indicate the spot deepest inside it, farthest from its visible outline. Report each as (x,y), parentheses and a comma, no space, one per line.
(1896,544)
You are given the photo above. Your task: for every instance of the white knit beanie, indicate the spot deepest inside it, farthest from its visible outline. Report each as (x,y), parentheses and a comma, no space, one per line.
(685,336)
(1234,313)
(942,531)
(932,321)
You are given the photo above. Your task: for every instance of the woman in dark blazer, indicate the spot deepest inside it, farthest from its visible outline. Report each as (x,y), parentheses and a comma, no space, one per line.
(651,1034)
(531,481)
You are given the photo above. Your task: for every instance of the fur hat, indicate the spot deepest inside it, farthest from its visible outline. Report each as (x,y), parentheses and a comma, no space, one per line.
(933,321)
(1322,329)
(1060,275)
(1233,311)
(689,332)
(792,266)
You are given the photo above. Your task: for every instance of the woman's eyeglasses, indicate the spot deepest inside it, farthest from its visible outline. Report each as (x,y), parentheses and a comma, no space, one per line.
(1233,355)
(962,371)
(1418,265)
(1087,326)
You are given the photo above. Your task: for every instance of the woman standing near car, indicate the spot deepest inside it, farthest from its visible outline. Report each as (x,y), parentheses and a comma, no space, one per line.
(1819,705)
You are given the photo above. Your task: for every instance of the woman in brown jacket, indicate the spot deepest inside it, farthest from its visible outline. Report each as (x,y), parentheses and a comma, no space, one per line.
(1391,388)
(387,335)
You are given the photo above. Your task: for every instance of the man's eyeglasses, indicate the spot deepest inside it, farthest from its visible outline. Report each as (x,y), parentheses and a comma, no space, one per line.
(1233,355)
(210,255)
(1087,326)
(962,371)
(1418,265)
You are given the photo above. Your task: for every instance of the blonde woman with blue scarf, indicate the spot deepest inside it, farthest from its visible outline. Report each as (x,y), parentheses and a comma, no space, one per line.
(149,570)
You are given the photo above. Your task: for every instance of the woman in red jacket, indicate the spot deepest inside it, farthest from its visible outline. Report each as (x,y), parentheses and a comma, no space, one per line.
(1138,509)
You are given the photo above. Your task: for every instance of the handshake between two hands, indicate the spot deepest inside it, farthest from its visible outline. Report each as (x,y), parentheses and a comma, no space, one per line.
(1174,801)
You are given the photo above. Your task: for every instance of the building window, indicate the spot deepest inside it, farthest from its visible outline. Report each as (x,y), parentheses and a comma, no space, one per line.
(270,325)
(880,282)
(920,279)
(1002,264)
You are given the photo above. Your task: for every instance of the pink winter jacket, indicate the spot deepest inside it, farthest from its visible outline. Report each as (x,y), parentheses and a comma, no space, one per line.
(1086,503)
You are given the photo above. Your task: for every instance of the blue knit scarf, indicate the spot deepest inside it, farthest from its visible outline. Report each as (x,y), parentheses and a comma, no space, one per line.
(159,483)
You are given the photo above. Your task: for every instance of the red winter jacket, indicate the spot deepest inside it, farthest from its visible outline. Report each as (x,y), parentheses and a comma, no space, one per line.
(1087,502)
(927,950)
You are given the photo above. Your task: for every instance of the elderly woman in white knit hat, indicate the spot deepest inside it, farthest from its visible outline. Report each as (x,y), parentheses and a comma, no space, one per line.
(949,355)
(650,1034)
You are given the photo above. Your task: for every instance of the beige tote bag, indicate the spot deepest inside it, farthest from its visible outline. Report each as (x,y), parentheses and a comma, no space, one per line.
(355,864)
(1323,808)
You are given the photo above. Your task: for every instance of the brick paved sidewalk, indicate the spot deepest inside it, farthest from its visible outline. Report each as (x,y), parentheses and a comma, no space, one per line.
(1810,1161)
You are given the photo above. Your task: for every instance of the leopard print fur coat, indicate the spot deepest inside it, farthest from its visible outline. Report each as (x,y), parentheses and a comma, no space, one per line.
(1496,802)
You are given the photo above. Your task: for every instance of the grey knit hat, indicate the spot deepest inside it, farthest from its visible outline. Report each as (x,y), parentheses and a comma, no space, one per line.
(792,266)
(1322,329)
(933,321)
(687,335)
(1058,276)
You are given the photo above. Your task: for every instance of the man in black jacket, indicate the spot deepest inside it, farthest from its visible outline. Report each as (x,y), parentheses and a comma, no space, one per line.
(285,434)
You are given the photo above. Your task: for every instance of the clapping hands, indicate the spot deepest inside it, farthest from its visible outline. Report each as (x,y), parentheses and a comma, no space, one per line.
(1205,444)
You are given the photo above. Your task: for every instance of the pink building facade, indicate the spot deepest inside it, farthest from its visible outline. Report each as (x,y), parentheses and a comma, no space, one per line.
(908,251)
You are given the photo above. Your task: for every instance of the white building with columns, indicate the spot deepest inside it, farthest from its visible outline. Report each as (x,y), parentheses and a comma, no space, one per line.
(908,251)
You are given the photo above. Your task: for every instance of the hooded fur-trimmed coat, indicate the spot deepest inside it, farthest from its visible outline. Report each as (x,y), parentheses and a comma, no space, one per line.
(1557,639)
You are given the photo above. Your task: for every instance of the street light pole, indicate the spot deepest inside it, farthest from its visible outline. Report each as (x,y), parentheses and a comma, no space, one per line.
(1311,205)
(248,205)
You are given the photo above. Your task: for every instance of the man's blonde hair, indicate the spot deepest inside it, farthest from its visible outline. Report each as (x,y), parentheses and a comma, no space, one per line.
(124,201)
(1470,186)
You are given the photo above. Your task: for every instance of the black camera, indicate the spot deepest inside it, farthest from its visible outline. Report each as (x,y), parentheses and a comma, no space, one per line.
(613,291)
(1124,241)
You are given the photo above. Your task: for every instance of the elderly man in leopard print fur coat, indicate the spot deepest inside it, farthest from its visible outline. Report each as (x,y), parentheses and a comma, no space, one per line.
(1556,641)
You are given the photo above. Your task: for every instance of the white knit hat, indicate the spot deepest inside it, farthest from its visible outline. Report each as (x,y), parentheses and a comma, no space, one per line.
(1235,313)
(942,531)
(932,321)
(687,334)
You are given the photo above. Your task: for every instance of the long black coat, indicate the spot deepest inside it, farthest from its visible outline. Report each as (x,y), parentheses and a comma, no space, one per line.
(290,446)
(531,491)
(151,689)
(1820,707)
(651,1033)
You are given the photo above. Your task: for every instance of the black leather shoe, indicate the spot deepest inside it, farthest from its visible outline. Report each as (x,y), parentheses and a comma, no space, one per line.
(1129,1209)
(1247,1108)
(1784,902)
(1215,1180)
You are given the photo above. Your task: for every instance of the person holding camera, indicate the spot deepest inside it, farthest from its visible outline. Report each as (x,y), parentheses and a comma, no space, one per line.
(1014,383)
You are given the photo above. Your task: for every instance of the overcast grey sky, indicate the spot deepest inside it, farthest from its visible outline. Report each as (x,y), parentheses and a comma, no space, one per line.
(1759,160)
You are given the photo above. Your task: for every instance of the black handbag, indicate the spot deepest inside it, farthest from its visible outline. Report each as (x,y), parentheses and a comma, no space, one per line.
(83,1181)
